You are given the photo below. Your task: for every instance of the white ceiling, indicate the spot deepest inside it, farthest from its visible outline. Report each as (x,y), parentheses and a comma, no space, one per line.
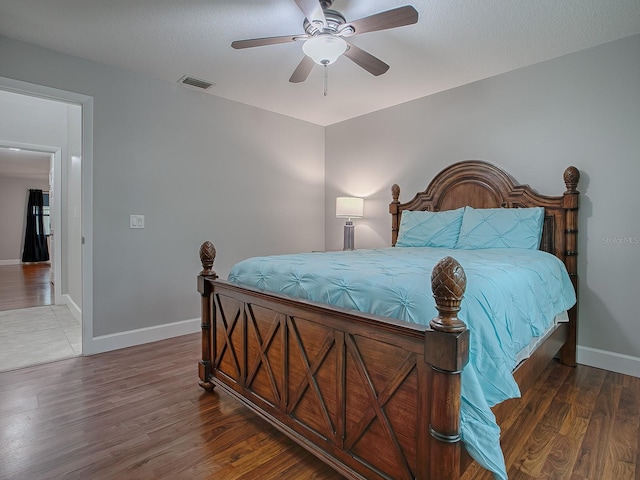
(24,164)
(454,42)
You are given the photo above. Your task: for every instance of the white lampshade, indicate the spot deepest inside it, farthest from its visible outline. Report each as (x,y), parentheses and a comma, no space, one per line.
(325,48)
(349,207)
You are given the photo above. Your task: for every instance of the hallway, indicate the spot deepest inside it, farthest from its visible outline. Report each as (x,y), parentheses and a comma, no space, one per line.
(32,330)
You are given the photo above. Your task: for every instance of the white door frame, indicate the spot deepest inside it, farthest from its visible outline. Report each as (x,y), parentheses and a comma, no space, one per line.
(86,103)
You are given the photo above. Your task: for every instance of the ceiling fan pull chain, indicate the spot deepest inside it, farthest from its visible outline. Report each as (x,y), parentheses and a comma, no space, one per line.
(326,78)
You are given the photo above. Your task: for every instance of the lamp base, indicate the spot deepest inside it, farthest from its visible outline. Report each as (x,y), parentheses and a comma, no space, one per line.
(348,236)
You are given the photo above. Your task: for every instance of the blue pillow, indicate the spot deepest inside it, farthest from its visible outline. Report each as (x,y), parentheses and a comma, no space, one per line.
(501,227)
(429,229)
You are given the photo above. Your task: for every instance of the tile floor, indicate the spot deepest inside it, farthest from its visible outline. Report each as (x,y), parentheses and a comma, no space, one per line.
(31,336)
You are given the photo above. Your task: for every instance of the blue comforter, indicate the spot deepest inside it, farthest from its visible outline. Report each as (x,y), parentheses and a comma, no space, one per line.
(512,296)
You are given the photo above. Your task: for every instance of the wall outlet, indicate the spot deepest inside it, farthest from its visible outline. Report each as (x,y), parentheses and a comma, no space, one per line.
(136,221)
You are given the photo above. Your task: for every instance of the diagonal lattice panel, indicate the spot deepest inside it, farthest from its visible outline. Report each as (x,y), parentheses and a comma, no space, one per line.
(372,394)
(264,353)
(312,376)
(227,354)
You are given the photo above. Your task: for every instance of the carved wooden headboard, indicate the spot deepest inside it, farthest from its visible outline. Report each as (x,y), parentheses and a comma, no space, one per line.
(483,185)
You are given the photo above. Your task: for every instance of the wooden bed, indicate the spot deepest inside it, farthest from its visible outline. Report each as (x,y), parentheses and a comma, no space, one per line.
(373,397)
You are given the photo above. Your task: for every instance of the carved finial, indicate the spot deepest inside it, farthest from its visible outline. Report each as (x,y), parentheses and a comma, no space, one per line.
(395,192)
(571,178)
(448,282)
(207,257)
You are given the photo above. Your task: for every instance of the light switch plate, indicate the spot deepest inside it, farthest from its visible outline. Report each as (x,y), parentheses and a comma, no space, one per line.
(136,221)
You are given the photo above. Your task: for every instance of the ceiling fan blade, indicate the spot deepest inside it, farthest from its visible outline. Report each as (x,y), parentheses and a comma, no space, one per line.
(259,42)
(302,71)
(371,64)
(312,10)
(397,17)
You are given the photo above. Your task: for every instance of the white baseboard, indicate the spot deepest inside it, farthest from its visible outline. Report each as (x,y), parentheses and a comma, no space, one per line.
(75,310)
(115,341)
(10,262)
(615,362)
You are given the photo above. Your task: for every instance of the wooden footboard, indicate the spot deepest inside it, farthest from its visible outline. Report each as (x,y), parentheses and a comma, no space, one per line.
(373,397)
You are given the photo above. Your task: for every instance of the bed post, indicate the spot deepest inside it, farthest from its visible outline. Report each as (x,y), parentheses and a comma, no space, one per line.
(207,257)
(393,210)
(570,203)
(447,351)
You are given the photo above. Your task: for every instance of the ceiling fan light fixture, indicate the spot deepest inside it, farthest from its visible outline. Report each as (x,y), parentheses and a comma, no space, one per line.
(325,48)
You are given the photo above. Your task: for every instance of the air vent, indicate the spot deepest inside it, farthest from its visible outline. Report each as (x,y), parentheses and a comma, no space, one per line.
(195,83)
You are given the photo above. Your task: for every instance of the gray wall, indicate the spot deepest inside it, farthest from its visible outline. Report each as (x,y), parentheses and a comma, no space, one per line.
(198,167)
(582,109)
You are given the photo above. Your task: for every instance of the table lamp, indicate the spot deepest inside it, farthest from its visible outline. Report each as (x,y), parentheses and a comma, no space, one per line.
(349,207)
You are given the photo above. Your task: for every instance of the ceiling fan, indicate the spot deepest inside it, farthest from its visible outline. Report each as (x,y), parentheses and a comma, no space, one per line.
(325,36)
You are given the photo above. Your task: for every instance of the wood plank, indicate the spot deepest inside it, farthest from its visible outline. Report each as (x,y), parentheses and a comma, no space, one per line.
(138,413)
(591,460)
(538,399)
(541,442)
(624,445)
(25,285)
(135,413)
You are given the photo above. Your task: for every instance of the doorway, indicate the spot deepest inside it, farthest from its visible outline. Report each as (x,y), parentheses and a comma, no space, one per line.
(24,285)
(69,146)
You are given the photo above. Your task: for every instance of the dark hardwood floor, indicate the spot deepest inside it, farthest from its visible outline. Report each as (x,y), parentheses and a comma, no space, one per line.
(25,285)
(576,424)
(138,413)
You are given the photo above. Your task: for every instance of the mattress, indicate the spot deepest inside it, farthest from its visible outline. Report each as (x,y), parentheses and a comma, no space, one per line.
(512,299)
